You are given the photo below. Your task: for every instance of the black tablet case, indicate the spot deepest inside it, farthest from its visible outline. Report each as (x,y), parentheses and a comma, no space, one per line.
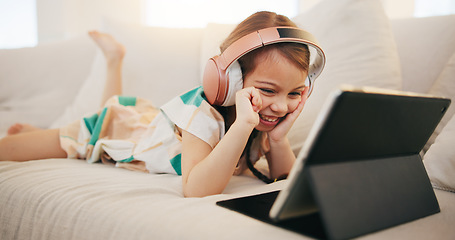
(364,169)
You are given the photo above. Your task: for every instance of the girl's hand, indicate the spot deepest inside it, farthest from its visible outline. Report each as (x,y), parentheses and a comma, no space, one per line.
(282,129)
(248,103)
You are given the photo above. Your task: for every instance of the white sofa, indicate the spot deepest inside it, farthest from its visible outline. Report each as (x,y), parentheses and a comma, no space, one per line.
(53,84)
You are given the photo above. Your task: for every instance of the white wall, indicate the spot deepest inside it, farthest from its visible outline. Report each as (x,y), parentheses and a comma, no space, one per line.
(60,19)
(306,4)
(393,8)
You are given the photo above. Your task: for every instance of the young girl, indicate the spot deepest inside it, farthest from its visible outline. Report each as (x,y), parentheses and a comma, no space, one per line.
(205,143)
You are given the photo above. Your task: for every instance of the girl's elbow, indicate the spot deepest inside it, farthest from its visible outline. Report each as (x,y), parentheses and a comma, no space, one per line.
(192,191)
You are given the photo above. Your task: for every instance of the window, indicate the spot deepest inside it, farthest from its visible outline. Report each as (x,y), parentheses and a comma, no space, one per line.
(426,8)
(18,26)
(197,13)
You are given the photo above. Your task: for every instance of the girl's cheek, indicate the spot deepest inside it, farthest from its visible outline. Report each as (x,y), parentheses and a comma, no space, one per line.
(294,104)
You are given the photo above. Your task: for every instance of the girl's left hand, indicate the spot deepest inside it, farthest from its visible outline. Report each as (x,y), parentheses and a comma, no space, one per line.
(282,129)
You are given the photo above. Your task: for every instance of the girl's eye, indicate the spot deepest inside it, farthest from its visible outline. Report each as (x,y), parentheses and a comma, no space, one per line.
(295,94)
(266,90)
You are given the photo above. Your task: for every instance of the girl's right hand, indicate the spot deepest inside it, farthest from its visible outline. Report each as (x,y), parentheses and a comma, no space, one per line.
(248,104)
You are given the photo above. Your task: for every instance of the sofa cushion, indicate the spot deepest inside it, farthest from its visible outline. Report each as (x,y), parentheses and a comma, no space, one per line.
(37,83)
(159,64)
(444,87)
(360,49)
(424,46)
(439,160)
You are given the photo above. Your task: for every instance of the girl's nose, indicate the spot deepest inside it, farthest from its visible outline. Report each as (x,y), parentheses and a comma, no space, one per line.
(279,105)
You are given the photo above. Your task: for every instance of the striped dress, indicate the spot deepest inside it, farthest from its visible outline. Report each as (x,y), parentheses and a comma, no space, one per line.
(131,133)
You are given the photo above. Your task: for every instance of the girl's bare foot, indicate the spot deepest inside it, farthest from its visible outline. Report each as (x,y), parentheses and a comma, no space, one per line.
(21,128)
(113,50)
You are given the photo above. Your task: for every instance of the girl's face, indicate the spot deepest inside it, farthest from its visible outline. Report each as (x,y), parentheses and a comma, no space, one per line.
(280,84)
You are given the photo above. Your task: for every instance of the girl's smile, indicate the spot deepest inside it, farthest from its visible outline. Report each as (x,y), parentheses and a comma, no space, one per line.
(268,120)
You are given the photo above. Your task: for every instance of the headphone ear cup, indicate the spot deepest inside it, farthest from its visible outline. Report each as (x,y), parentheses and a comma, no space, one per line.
(235,81)
(214,82)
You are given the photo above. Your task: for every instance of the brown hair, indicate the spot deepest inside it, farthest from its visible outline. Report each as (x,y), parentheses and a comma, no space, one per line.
(298,54)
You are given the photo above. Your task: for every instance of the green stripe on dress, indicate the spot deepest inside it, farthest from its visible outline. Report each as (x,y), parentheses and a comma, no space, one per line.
(90,122)
(193,97)
(97,128)
(126,160)
(176,163)
(127,101)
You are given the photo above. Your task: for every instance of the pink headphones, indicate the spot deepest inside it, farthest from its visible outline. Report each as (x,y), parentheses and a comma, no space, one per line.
(223,76)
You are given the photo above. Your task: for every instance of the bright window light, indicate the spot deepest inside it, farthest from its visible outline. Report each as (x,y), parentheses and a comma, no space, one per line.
(197,13)
(18,26)
(426,8)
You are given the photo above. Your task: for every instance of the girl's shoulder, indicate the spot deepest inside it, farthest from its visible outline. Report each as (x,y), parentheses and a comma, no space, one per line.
(193,113)
(194,97)
(191,101)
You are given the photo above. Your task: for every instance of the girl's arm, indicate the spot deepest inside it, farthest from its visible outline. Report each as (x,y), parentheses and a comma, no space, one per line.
(207,171)
(281,157)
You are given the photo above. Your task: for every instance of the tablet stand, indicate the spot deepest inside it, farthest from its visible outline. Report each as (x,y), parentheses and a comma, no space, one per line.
(359,197)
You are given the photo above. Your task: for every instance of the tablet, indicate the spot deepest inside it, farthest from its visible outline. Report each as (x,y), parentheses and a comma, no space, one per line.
(358,124)
(355,127)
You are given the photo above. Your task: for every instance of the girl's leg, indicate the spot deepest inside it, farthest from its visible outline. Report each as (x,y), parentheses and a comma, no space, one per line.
(113,52)
(32,145)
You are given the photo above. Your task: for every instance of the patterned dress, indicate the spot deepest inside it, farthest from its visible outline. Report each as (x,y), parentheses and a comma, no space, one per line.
(131,133)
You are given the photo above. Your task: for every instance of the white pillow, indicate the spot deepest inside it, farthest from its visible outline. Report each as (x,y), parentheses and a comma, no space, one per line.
(444,87)
(88,98)
(37,83)
(160,63)
(440,159)
(424,46)
(360,50)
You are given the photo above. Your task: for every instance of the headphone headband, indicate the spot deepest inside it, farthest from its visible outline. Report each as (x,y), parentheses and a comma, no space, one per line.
(262,38)
(215,82)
